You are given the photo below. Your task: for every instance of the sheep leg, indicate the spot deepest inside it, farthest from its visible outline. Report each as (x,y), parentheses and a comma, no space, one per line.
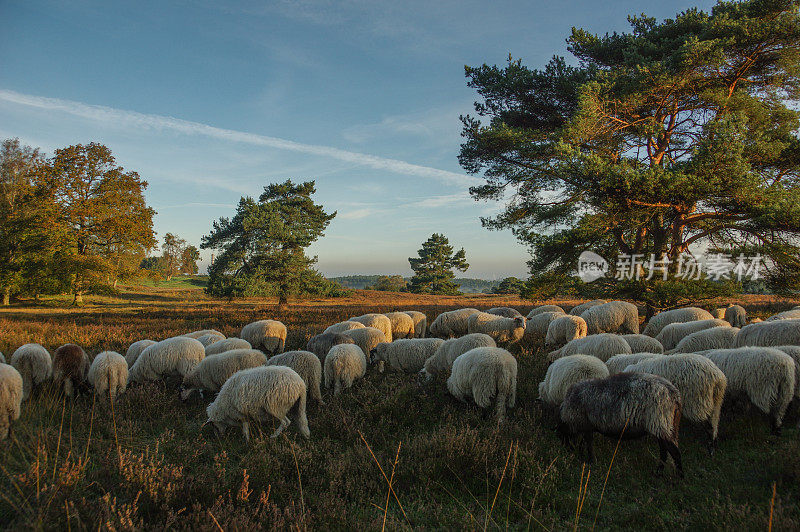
(589,444)
(337,386)
(673,450)
(283,424)
(500,407)
(246,430)
(712,440)
(662,455)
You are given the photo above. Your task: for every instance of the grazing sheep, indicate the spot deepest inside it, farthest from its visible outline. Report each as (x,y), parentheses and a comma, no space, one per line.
(612,317)
(2,359)
(407,355)
(70,366)
(228,344)
(506,312)
(765,375)
(10,398)
(442,359)
(485,373)
(618,363)
(343,326)
(108,375)
(34,364)
(203,332)
(718,313)
(579,309)
(504,330)
(701,383)
(420,322)
(769,333)
(673,333)
(377,321)
(256,395)
(641,343)
(794,352)
(344,364)
(366,338)
(564,329)
(452,324)
(678,315)
(402,325)
(565,372)
(322,343)
(714,338)
(544,308)
(536,327)
(136,349)
(785,315)
(307,365)
(209,339)
(171,357)
(212,372)
(602,346)
(627,405)
(736,315)
(267,335)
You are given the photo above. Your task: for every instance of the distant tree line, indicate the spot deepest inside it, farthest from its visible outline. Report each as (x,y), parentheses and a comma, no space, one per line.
(176,258)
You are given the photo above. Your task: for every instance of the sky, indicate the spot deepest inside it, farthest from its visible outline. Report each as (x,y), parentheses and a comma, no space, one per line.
(210,101)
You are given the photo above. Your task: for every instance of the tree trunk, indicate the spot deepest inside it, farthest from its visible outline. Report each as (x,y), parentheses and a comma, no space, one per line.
(78,301)
(115,283)
(6,296)
(283,301)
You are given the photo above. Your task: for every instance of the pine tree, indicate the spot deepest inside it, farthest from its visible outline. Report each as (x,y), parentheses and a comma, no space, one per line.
(433,268)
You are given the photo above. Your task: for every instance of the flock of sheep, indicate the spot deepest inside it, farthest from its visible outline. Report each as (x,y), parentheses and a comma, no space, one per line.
(603,375)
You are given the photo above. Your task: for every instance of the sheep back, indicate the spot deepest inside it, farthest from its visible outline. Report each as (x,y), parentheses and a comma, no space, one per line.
(175,356)
(503,330)
(678,315)
(673,333)
(34,364)
(212,372)
(565,372)
(10,397)
(485,374)
(402,325)
(713,338)
(307,365)
(641,343)
(452,324)
(769,333)
(228,344)
(343,326)
(343,365)
(366,338)
(602,346)
(612,317)
(564,329)
(267,335)
(449,350)
(377,321)
(544,308)
(70,366)
(108,374)
(618,363)
(136,349)
(506,312)
(407,355)
(420,322)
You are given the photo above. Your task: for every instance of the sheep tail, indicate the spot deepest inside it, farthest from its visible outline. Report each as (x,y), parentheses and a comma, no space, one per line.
(299,414)
(676,423)
(500,406)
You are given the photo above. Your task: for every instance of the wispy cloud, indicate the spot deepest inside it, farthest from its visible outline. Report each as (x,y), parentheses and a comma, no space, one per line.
(442,201)
(148,122)
(357,214)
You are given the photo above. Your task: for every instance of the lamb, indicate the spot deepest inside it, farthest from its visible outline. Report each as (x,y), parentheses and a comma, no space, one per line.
(641,343)
(34,364)
(579,309)
(675,332)
(565,372)
(701,383)
(377,321)
(714,338)
(366,338)
(485,373)
(10,398)
(267,335)
(108,375)
(442,359)
(136,349)
(678,315)
(257,395)
(203,332)
(627,404)
(343,326)
(171,357)
(618,363)
(536,327)
(769,333)
(736,315)
(402,325)
(602,346)
(420,322)
(452,324)
(322,343)
(544,308)
(766,375)
(228,344)
(503,330)
(209,339)
(307,365)
(344,364)
(212,372)
(506,312)
(407,355)
(612,317)
(564,329)
(785,315)
(70,366)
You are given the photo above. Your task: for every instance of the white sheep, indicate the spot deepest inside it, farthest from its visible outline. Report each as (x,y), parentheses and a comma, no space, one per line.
(577,310)
(366,338)
(343,365)
(678,315)
(673,333)
(267,335)
(565,372)
(769,333)
(714,338)
(452,324)
(564,329)
(505,331)
(602,346)
(442,359)
(618,363)
(377,321)
(506,312)
(203,332)
(535,311)
(108,375)
(343,326)
(320,344)
(34,364)
(641,343)
(701,383)
(212,372)
(307,365)
(764,374)
(70,366)
(402,325)
(228,344)
(257,395)
(171,357)
(420,322)
(2,359)
(10,398)
(485,374)
(736,315)
(209,339)
(136,349)
(612,317)
(407,355)
(785,315)
(794,352)
(536,327)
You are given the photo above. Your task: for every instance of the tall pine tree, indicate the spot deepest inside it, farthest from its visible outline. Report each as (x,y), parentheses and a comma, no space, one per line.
(433,268)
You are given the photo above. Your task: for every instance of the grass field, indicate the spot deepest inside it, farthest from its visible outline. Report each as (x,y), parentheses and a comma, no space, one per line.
(74,465)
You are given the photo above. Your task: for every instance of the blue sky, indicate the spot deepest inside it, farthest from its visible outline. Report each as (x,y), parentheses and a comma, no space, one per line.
(210,101)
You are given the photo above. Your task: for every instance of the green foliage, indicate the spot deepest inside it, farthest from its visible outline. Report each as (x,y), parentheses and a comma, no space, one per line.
(389,283)
(509,285)
(433,268)
(188,263)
